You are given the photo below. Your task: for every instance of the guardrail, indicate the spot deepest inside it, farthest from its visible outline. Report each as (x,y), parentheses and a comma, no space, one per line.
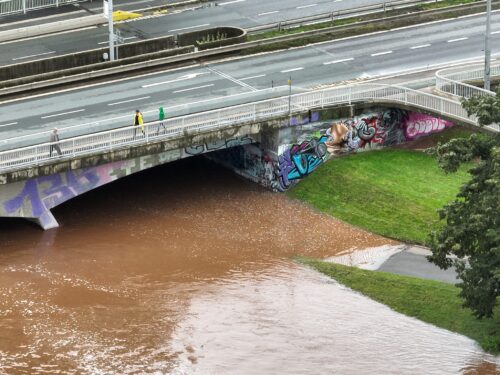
(226,117)
(453,82)
(21,6)
(340,14)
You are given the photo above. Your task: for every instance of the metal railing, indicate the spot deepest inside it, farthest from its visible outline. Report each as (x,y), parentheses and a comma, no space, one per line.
(227,117)
(453,82)
(21,6)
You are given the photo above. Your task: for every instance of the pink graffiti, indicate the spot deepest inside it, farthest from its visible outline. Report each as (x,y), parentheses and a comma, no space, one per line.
(419,124)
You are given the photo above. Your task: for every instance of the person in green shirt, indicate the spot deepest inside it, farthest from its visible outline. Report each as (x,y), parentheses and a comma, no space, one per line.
(161,117)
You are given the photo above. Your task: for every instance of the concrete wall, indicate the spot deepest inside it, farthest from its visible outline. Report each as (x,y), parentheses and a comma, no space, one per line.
(129,50)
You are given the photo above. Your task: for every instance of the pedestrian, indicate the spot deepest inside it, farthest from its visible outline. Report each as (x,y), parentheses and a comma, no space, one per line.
(138,121)
(161,117)
(54,142)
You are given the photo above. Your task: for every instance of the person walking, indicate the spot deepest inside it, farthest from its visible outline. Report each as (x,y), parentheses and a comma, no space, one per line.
(138,122)
(54,143)
(161,117)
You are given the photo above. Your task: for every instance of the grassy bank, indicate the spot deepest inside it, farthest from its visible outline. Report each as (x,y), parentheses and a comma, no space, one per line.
(392,192)
(431,301)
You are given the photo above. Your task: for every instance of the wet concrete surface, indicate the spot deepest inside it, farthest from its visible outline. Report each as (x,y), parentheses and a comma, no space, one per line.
(413,262)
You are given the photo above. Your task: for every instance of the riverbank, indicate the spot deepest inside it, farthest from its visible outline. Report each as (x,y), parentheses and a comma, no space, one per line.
(431,301)
(392,192)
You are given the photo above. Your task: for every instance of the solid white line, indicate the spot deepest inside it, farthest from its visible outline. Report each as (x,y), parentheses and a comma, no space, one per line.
(338,61)
(192,88)
(9,124)
(457,40)
(337,1)
(130,100)
(64,113)
(496,32)
(291,70)
(30,56)
(231,2)
(381,53)
(252,77)
(306,6)
(190,27)
(266,13)
(420,46)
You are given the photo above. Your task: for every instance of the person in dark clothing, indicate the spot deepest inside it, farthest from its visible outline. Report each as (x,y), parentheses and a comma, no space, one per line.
(54,143)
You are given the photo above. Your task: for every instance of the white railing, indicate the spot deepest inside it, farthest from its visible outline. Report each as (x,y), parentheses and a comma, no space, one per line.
(453,82)
(226,117)
(21,6)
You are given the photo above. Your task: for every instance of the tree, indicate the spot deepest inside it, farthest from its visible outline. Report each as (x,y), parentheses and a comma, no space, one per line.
(471,232)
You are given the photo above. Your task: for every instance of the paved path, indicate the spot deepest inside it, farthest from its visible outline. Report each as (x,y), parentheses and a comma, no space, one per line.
(413,262)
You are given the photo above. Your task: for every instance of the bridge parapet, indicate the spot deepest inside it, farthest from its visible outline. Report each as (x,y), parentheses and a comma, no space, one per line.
(226,118)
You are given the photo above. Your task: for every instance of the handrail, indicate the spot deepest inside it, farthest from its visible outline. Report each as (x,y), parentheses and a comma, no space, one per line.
(12,160)
(453,82)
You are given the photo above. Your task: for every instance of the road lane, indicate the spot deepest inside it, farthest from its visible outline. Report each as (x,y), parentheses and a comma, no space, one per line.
(310,66)
(244,14)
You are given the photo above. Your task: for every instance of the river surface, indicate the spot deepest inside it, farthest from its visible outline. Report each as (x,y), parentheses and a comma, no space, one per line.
(187,269)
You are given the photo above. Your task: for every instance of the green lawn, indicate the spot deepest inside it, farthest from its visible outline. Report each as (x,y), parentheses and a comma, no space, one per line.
(433,302)
(391,192)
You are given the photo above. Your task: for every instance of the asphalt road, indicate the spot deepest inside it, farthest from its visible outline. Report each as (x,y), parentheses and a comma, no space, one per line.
(242,13)
(229,82)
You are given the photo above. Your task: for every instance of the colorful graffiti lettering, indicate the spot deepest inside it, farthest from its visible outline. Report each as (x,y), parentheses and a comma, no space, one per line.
(373,130)
(419,124)
(300,160)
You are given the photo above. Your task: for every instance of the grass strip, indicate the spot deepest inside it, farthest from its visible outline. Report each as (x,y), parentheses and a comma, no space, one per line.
(380,25)
(392,192)
(431,301)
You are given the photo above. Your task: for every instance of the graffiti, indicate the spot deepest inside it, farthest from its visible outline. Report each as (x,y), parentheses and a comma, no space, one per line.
(300,160)
(419,124)
(217,145)
(368,131)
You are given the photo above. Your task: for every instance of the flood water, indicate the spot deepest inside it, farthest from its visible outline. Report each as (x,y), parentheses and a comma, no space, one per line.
(187,269)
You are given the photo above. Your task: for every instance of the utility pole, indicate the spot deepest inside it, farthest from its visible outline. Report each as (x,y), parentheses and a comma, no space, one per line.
(487,47)
(108,13)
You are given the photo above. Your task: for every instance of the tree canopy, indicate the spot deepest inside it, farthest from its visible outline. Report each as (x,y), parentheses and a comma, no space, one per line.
(470,237)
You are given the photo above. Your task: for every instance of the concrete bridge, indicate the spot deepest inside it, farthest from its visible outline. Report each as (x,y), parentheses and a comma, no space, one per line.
(271,149)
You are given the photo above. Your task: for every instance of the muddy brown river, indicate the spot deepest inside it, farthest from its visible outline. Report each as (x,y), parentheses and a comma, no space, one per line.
(187,269)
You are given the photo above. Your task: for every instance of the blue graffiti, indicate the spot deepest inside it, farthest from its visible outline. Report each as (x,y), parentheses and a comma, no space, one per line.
(300,160)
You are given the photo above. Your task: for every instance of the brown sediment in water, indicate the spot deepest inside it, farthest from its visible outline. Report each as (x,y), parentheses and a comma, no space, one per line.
(139,264)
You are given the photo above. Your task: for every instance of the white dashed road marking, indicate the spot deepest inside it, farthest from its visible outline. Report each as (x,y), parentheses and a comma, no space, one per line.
(420,46)
(291,70)
(381,53)
(64,113)
(457,40)
(338,61)
(130,100)
(193,88)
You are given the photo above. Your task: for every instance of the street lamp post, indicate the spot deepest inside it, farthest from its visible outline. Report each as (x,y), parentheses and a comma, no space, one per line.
(487,47)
